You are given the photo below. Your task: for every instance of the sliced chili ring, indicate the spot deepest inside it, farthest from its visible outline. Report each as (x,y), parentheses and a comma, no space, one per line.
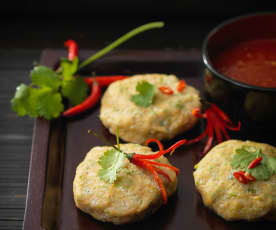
(166,90)
(240,176)
(181,86)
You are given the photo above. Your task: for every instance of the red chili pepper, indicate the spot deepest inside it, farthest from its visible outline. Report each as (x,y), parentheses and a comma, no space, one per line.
(240,176)
(160,146)
(176,170)
(161,172)
(181,86)
(255,163)
(217,122)
(166,90)
(160,153)
(72,49)
(104,80)
(250,177)
(88,103)
(157,179)
(151,166)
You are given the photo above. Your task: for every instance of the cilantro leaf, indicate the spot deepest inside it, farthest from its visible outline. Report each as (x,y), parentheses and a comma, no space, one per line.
(35,102)
(44,76)
(245,155)
(111,162)
(146,94)
(75,90)
(18,102)
(48,103)
(69,68)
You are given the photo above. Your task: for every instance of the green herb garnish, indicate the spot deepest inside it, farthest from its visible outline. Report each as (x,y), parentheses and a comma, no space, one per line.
(145,95)
(246,154)
(43,97)
(111,162)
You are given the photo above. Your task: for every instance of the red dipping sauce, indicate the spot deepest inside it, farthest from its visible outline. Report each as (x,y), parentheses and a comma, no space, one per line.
(252,62)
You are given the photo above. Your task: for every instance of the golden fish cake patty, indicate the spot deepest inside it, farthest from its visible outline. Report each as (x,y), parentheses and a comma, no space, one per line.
(223,193)
(133,196)
(166,117)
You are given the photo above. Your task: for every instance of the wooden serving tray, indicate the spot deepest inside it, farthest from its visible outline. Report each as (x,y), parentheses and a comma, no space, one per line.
(60,145)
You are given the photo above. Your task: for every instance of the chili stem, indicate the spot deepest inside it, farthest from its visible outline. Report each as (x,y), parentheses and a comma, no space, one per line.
(120,40)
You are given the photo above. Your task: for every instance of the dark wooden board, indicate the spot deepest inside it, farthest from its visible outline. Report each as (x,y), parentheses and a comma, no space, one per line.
(183,211)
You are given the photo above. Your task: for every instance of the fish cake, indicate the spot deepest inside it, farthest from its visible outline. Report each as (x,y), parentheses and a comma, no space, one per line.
(166,117)
(132,197)
(223,193)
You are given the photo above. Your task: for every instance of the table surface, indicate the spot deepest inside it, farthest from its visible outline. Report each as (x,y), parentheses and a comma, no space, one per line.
(21,44)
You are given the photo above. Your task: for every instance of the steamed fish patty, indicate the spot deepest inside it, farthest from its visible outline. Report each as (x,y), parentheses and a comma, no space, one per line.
(228,197)
(133,196)
(166,117)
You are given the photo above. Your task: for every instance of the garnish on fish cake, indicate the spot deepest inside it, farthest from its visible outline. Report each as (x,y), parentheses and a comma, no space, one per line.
(217,123)
(112,161)
(251,165)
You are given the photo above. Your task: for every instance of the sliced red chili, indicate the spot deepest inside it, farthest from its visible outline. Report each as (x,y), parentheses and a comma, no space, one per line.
(104,80)
(166,90)
(176,170)
(181,86)
(210,134)
(255,163)
(160,153)
(157,179)
(72,49)
(160,146)
(217,122)
(161,172)
(250,177)
(240,176)
(88,103)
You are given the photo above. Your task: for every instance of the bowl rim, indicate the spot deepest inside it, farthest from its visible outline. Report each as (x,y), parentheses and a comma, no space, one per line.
(212,69)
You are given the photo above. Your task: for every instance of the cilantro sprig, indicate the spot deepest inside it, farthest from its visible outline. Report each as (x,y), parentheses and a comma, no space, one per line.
(43,97)
(111,162)
(145,95)
(246,154)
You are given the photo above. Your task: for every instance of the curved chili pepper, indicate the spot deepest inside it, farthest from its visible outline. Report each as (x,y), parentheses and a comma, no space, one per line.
(166,90)
(88,103)
(181,86)
(160,146)
(255,163)
(72,49)
(160,153)
(104,80)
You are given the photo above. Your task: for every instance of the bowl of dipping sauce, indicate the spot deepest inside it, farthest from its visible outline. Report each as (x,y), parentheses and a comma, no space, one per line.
(240,67)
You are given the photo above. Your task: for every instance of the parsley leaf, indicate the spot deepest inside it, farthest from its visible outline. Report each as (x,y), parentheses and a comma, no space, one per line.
(75,90)
(245,155)
(146,94)
(69,68)
(111,162)
(44,76)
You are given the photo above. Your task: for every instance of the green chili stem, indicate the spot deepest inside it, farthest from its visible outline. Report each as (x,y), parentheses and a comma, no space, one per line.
(120,40)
